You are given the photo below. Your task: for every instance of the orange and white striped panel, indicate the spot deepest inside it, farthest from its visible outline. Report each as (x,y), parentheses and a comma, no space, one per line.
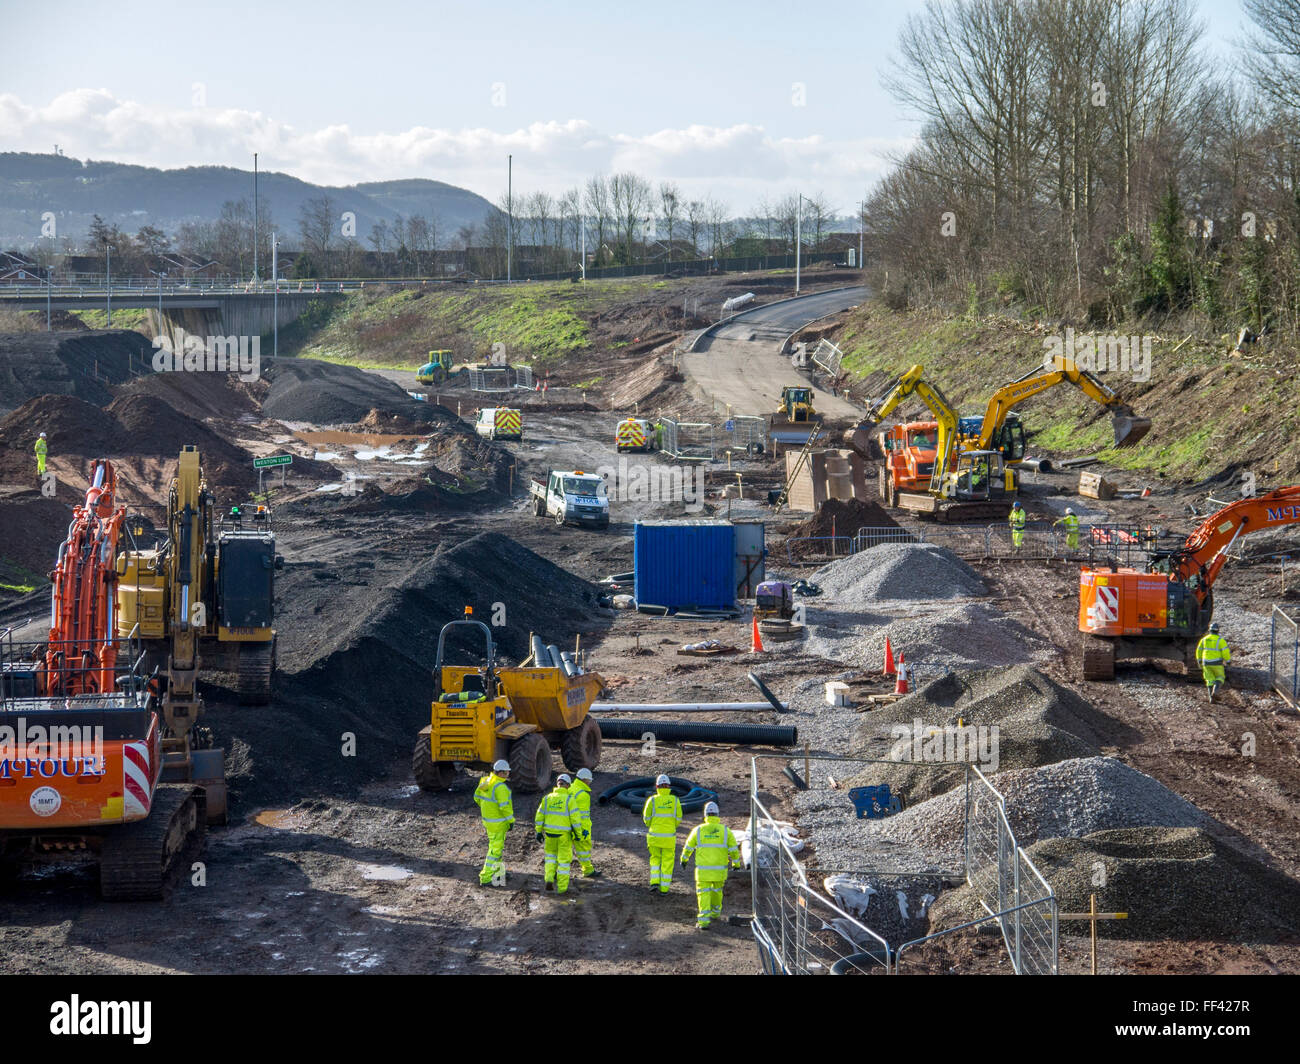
(135,780)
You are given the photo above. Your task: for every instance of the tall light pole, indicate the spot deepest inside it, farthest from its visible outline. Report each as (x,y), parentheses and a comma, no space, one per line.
(275,296)
(160,274)
(108,281)
(255,217)
(798,242)
(49,279)
(510,212)
(583,260)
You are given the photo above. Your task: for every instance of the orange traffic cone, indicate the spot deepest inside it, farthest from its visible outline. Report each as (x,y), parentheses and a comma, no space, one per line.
(900,685)
(889,658)
(756,640)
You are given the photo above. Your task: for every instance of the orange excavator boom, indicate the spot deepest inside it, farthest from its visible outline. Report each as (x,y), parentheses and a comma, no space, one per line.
(81,657)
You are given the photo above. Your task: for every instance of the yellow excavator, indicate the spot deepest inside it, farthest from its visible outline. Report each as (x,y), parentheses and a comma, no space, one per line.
(949,482)
(205,593)
(1000,429)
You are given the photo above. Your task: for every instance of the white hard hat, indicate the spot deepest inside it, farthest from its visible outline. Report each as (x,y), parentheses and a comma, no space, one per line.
(711,809)
(563,778)
(501,766)
(584,774)
(1069,512)
(663,781)
(42,435)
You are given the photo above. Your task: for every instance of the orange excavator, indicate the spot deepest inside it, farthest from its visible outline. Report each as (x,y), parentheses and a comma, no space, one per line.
(1160,613)
(80,739)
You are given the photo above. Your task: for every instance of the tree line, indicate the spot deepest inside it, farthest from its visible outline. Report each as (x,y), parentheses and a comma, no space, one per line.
(1088,157)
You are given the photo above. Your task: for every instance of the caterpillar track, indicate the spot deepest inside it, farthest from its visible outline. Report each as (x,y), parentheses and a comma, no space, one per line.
(138,861)
(255,668)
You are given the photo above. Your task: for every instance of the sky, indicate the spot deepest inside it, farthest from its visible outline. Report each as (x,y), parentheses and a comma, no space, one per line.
(736,101)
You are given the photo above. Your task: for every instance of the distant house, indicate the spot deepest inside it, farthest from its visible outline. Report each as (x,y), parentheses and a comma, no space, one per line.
(18,269)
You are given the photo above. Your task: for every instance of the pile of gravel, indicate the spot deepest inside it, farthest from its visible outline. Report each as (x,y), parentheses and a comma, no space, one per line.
(910,571)
(1173,882)
(1069,799)
(1038,722)
(934,637)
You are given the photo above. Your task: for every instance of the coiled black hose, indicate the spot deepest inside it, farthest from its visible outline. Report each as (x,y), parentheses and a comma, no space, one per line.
(632,794)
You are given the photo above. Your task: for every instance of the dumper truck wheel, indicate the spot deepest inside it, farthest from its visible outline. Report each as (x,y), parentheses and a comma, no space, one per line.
(580,747)
(431,775)
(530,764)
(559,518)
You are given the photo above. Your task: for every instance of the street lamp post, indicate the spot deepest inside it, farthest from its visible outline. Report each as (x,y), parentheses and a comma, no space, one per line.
(862,210)
(254,217)
(510,213)
(108,281)
(275,297)
(49,278)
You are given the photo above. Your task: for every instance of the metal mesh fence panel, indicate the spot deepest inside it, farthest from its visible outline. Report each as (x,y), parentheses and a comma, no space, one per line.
(1284,656)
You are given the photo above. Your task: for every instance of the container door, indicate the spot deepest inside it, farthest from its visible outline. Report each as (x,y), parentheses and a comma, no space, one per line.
(751,558)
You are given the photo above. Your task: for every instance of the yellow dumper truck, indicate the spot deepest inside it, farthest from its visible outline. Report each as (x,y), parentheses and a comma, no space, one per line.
(483,713)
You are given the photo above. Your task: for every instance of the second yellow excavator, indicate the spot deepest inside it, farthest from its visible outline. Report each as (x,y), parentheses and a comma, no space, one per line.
(1002,431)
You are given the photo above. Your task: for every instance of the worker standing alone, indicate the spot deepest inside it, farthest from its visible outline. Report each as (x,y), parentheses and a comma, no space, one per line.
(1071,523)
(662,814)
(556,823)
(580,797)
(496,806)
(41,448)
(715,850)
(1017,522)
(1213,655)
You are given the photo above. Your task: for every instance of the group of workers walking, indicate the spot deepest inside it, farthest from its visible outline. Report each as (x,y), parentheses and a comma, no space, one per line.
(562,825)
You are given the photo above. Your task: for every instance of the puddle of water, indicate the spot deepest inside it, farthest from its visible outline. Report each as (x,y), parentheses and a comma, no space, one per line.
(353,439)
(276,818)
(327,456)
(390,873)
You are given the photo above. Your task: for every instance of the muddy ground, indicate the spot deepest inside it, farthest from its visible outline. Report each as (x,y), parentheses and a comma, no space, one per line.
(337,863)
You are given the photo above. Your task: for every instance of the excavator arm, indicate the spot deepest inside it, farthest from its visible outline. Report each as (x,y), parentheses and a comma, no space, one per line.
(81,654)
(1128,428)
(913,383)
(1206,550)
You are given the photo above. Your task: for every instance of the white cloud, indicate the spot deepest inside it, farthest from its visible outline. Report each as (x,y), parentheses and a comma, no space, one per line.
(738,164)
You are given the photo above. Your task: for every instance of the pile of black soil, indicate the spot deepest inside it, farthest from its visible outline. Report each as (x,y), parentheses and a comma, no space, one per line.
(356,655)
(322,393)
(135,425)
(31,529)
(82,364)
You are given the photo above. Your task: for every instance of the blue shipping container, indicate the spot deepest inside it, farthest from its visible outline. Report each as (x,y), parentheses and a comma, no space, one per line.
(684,565)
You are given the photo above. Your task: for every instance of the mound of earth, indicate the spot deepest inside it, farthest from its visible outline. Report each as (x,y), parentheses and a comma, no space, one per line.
(1039,722)
(356,656)
(323,393)
(843,517)
(83,364)
(31,529)
(1173,882)
(133,426)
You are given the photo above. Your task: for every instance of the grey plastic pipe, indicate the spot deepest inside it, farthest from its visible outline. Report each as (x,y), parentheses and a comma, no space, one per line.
(683,731)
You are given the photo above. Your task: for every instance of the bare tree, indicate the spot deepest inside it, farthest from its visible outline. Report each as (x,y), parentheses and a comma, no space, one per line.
(597,204)
(629,195)
(670,201)
(316,227)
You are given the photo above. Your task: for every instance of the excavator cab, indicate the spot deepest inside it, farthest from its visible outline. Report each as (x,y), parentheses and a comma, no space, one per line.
(971,480)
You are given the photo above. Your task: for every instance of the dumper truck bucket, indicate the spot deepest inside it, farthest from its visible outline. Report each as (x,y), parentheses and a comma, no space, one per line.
(1129,428)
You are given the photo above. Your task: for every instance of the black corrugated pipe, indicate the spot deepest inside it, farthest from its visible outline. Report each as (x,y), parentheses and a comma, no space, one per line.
(671,731)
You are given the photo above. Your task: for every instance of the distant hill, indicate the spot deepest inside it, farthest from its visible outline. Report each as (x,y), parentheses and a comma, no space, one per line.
(133,196)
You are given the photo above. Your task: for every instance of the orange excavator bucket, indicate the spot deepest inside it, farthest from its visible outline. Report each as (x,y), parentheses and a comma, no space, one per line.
(1128,427)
